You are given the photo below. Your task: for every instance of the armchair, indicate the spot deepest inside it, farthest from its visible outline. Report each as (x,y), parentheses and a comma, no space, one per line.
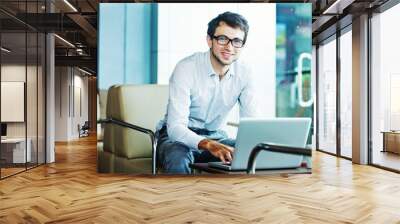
(132,114)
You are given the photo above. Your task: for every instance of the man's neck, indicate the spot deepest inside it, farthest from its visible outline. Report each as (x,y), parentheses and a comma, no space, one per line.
(220,69)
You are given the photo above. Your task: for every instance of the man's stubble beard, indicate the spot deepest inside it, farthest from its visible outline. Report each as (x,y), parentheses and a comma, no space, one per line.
(219,60)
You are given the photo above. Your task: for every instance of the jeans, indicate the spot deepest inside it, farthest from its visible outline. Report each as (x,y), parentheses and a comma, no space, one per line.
(174,157)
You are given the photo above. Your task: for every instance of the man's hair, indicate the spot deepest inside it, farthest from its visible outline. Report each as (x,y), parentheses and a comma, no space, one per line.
(233,20)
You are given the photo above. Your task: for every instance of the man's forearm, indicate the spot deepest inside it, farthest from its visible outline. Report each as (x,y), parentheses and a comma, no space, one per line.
(210,145)
(178,132)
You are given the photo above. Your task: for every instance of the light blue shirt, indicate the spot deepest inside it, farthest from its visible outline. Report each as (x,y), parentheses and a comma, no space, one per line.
(199,99)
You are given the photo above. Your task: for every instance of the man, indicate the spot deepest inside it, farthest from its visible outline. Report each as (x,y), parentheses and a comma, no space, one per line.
(202,90)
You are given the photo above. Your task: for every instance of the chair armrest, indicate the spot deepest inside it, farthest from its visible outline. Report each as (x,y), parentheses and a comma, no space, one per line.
(273,148)
(233,124)
(140,129)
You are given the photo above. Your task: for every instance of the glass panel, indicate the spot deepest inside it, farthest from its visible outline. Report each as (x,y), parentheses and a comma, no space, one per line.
(31,86)
(22,88)
(314,93)
(13,86)
(41,98)
(386,89)
(327,96)
(31,99)
(346,94)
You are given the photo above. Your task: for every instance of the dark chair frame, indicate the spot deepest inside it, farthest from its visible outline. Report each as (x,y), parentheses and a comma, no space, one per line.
(273,148)
(149,132)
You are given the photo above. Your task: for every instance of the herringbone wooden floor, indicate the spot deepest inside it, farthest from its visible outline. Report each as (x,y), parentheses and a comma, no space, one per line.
(70,191)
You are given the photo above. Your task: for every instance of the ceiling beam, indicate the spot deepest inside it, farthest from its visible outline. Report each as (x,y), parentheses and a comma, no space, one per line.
(320,23)
(86,27)
(337,7)
(82,61)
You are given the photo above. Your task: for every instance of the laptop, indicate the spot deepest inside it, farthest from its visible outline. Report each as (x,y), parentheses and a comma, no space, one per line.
(280,131)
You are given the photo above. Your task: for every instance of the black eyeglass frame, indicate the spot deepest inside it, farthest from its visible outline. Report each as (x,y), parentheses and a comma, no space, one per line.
(229,41)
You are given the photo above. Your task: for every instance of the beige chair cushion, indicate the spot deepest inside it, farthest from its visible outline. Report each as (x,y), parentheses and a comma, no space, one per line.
(140,165)
(102,101)
(101,112)
(141,105)
(108,162)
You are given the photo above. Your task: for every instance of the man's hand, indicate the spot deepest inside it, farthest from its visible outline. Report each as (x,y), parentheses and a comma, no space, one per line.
(221,151)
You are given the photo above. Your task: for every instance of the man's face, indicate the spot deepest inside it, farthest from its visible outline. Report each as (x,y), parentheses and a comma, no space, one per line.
(225,54)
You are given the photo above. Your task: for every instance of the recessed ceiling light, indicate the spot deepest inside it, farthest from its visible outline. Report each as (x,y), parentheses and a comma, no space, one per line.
(337,7)
(70,5)
(5,50)
(84,71)
(64,40)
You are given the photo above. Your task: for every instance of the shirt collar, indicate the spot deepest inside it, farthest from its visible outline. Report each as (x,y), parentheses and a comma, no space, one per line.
(210,69)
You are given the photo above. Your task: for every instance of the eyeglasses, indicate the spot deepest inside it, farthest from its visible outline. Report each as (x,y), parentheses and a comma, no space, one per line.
(224,40)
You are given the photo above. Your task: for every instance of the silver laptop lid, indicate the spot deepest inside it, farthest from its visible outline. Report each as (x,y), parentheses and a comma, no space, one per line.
(281,131)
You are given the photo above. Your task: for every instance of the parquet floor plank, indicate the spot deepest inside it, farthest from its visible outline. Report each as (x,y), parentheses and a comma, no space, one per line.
(71,191)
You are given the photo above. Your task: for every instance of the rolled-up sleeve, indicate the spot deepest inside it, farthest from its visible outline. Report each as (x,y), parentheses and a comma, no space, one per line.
(179,106)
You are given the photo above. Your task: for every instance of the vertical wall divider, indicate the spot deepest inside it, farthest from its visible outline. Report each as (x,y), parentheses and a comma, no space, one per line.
(369,79)
(338,98)
(45,93)
(80,104)
(69,92)
(73,92)
(37,90)
(60,88)
(26,87)
(1,65)
(45,88)
(316,97)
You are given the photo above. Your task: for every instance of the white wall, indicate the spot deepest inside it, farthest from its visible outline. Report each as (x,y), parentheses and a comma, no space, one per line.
(79,117)
(61,103)
(70,84)
(33,126)
(12,73)
(13,101)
